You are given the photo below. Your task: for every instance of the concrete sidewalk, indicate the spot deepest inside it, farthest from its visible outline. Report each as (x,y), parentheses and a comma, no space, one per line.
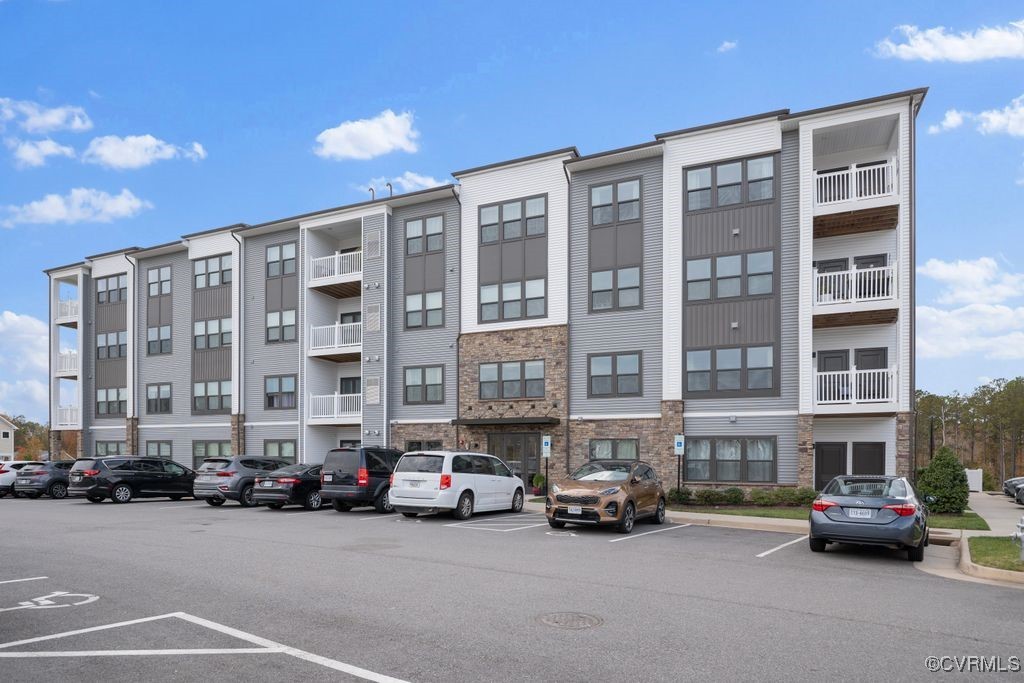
(1001,512)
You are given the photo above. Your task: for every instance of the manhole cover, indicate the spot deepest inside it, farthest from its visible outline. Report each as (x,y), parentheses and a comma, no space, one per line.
(570,620)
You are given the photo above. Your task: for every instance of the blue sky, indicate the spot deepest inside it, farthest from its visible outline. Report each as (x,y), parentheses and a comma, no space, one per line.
(178,117)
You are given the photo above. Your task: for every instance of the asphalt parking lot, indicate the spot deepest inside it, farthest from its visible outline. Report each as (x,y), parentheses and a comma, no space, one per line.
(156,590)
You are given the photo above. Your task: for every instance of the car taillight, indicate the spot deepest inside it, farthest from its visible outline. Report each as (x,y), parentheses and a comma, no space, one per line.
(258,480)
(225,474)
(823,504)
(362,477)
(321,478)
(90,473)
(446,481)
(902,509)
(288,480)
(391,479)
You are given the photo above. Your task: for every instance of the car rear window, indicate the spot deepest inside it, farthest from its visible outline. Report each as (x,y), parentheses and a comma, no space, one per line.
(32,467)
(874,488)
(343,460)
(420,463)
(213,465)
(291,469)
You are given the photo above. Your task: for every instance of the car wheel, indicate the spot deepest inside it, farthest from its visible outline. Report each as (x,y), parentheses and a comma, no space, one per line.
(556,524)
(383,503)
(628,518)
(246,497)
(175,498)
(659,513)
(3,493)
(58,490)
(464,510)
(817,544)
(313,501)
(122,493)
(517,500)
(94,499)
(275,506)
(916,554)
(215,502)
(410,514)
(340,506)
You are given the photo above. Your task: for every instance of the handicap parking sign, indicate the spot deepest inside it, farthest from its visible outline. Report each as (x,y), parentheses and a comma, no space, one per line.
(680,445)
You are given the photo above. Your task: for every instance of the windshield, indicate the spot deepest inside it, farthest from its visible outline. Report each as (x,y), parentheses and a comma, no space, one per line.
(83,465)
(213,465)
(420,463)
(291,469)
(870,488)
(604,471)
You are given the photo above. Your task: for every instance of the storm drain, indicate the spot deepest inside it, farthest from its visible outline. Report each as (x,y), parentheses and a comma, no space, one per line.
(574,621)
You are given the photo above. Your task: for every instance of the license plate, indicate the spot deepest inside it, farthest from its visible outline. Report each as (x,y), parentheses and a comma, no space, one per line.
(859,512)
(575,510)
(414,484)
(23,481)
(267,484)
(328,477)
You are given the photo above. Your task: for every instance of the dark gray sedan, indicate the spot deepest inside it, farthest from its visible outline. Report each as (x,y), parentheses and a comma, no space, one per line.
(870,510)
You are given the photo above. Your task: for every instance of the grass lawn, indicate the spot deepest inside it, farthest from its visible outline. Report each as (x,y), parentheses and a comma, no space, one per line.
(539,499)
(968,520)
(747,511)
(996,551)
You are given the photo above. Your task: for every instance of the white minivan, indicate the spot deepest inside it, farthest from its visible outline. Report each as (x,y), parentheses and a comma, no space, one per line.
(430,481)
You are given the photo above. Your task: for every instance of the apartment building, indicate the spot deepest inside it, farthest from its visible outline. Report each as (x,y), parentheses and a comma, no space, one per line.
(747,284)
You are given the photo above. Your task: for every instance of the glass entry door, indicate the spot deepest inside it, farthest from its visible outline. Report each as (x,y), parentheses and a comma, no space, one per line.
(520,451)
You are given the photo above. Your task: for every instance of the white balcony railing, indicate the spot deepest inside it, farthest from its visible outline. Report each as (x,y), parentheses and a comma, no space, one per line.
(855,386)
(855,183)
(336,265)
(335,406)
(855,286)
(329,337)
(67,361)
(67,308)
(67,416)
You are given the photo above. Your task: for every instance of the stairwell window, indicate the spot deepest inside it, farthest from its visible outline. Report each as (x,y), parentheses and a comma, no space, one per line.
(280,326)
(279,391)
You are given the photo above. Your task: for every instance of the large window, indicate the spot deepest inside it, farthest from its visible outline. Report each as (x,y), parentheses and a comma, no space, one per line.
(280,326)
(158,340)
(211,397)
(209,449)
(280,260)
(158,449)
(211,334)
(424,384)
(614,375)
(280,450)
(111,448)
(747,459)
(420,445)
(615,202)
(614,449)
(110,290)
(424,235)
(515,298)
(212,272)
(730,183)
(513,257)
(111,401)
(159,280)
(280,391)
(729,276)
(618,288)
(158,398)
(516,379)
(506,221)
(112,345)
(424,310)
(750,368)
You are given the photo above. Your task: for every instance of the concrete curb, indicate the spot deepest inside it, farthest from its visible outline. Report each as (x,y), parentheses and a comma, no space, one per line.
(788,526)
(991,573)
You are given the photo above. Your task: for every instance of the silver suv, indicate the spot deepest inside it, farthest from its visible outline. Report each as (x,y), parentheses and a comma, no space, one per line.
(220,479)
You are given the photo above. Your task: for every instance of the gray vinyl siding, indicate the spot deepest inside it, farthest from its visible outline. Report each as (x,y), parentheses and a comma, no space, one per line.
(181,439)
(101,374)
(428,345)
(616,330)
(261,359)
(783,428)
(375,273)
(257,434)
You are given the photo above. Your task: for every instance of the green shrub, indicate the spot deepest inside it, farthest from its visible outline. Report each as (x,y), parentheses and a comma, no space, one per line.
(538,481)
(680,496)
(762,497)
(734,495)
(785,496)
(989,481)
(804,496)
(944,478)
(709,497)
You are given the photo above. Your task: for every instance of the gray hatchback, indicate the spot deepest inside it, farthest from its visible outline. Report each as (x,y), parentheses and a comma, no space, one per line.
(870,510)
(220,479)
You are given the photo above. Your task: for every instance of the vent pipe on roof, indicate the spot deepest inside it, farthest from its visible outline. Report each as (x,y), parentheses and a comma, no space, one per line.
(391,190)
(373,195)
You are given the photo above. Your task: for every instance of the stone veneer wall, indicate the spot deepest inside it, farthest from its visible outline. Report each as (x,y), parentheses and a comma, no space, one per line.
(426,431)
(904,444)
(238,435)
(805,450)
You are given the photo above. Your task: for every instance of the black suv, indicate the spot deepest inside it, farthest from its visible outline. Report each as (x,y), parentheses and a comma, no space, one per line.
(353,477)
(50,478)
(122,478)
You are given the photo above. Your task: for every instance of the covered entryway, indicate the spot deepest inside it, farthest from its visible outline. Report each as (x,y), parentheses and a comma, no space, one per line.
(829,462)
(521,451)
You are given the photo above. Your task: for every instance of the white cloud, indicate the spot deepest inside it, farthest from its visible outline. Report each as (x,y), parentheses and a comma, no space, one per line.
(1009,119)
(136,151)
(940,45)
(78,206)
(973,282)
(33,153)
(990,330)
(407,182)
(727,45)
(24,353)
(26,397)
(37,118)
(368,138)
(952,119)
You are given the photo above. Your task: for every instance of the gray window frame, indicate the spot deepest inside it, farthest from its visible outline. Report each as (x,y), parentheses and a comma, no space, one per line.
(615,448)
(615,375)
(744,472)
(423,235)
(423,310)
(742,392)
(614,224)
(121,282)
(120,404)
(281,260)
(423,385)
(170,399)
(197,460)
(281,327)
(159,341)
(120,446)
(159,445)
(121,346)
(281,442)
(523,236)
(615,202)
(522,380)
(207,335)
(220,269)
(225,408)
(522,218)
(743,276)
(616,306)
(282,395)
(159,282)
(744,182)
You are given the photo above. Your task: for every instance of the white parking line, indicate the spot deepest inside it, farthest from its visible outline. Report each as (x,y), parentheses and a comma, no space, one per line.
(182,507)
(31,578)
(143,653)
(366,519)
(656,531)
(780,547)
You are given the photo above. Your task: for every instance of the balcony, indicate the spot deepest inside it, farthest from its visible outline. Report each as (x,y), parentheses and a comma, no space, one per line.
(67,364)
(858,198)
(335,409)
(67,312)
(864,296)
(338,274)
(340,343)
(68,418)
(856,391)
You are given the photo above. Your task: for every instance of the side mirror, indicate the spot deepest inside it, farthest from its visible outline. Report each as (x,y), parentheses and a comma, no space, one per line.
(931,500)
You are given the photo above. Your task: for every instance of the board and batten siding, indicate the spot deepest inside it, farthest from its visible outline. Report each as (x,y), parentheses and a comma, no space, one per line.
(375,344)
(616,330)
(540,176)
(428,345)
(850,430)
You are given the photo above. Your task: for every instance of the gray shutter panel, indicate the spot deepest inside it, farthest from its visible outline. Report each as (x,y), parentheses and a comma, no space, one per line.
(373,318)
(373,244)
(372,391)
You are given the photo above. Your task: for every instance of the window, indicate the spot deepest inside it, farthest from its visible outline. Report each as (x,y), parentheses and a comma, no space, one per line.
(734,182)
(506,221)
(424,235)
(698,279)
(513,301)
(212,272)
(112,345)
(760,266)
(111,401)
(728,276)
(280,391)
(5,435)
(424,385)
(423,446)
(280,260)
(348,386)
(159,280)
(618,288)
(514,221)
(211,334)
(110,290)
(614,449)
(110,448)
(279,450)
(760,178)
(729,273)
(615,375)
(729,179)
(209,449)
(698,189)
(516,379)
(488,302)
(424,310)
(743,459)
(158,449)
(211,397)
(731,369)
(158,340)
(615,202)
(158,398)
(280,326)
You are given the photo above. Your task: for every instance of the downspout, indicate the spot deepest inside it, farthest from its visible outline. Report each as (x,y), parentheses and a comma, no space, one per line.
(238,337)
(568,321)
(458,330)
(133,413)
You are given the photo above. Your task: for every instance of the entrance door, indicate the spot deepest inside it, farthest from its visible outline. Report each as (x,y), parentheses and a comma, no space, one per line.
(520,451)
(873,284)
(869,458)
(829,462)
